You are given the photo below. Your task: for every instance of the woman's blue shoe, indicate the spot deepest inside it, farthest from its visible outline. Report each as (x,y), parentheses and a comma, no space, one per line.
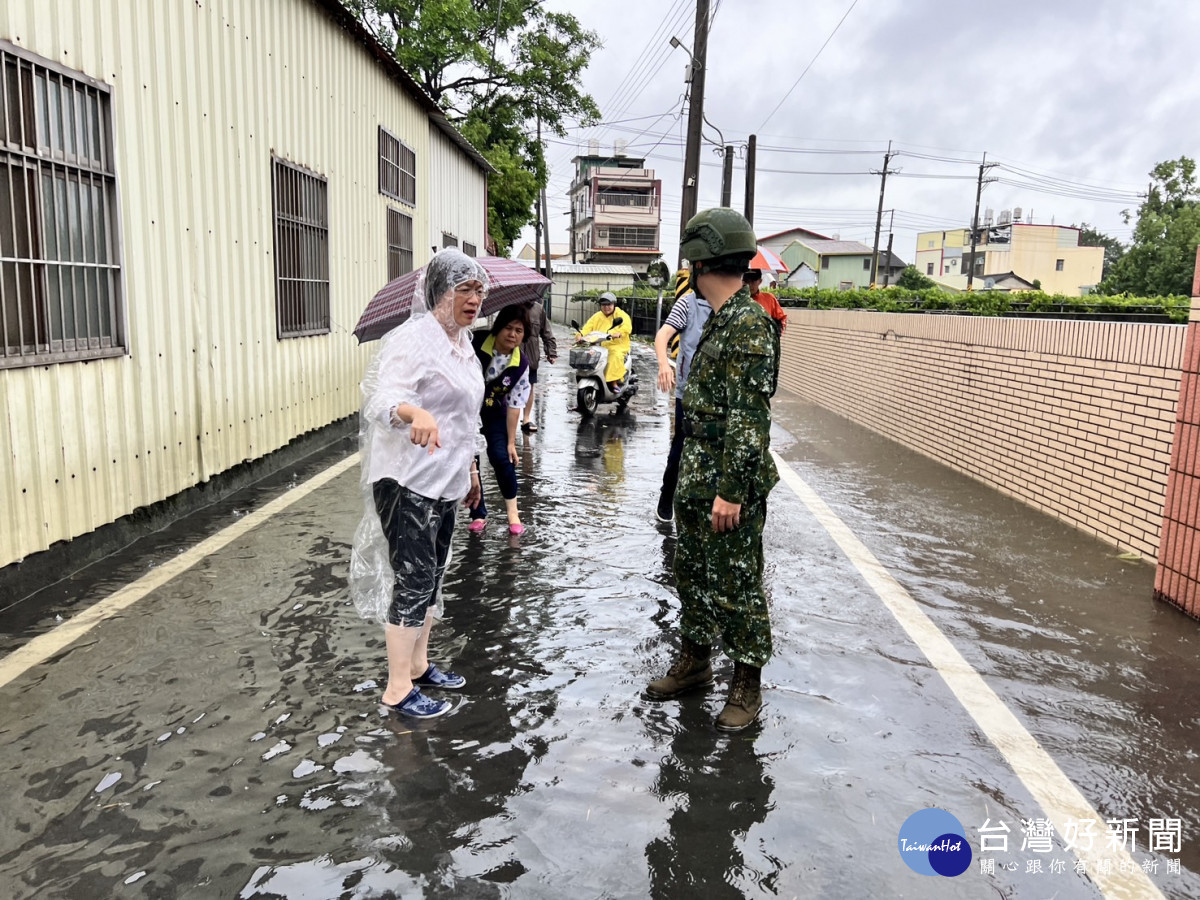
(436,678)
(417,706)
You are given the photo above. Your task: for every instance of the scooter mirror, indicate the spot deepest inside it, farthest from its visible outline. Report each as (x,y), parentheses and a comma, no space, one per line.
(617,320)
(575,324)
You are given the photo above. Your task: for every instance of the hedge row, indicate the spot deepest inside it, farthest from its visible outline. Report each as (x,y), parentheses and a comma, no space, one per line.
(975,303)
(992,303)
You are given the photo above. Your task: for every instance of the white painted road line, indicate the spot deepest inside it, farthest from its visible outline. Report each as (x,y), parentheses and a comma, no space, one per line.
(1041,775)
(47,645)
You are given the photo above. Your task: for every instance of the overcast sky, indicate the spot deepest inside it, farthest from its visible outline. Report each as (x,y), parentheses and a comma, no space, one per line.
(1080,97)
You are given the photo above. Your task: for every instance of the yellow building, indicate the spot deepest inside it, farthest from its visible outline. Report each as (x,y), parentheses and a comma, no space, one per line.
(1048,254)
(939,253)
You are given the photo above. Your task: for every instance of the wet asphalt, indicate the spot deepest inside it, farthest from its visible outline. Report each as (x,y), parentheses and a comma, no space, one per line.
(222,737)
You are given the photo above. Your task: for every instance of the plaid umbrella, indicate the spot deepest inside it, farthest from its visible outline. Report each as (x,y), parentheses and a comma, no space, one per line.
(510,282)
(767,259)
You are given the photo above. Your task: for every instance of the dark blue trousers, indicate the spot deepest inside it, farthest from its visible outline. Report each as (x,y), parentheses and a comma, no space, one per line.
(495,432)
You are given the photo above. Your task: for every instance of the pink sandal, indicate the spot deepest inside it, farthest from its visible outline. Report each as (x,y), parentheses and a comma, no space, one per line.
(477,525)
(518,528)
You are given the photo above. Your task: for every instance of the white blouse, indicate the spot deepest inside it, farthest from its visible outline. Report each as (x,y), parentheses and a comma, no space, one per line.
(420,365)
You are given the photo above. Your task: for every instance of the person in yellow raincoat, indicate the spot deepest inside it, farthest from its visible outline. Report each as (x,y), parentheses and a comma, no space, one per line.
(619,326)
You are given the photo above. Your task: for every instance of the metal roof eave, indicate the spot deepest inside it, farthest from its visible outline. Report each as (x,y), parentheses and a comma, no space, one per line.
(336,11)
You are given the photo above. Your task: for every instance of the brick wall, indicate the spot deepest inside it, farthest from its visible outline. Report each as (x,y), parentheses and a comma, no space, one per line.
(1074,418)
(1177,579)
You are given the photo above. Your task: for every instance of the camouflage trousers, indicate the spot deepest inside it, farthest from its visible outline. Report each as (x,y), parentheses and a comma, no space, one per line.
(720,580)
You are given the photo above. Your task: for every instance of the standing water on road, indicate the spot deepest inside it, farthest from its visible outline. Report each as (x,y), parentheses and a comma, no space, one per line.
(222,737)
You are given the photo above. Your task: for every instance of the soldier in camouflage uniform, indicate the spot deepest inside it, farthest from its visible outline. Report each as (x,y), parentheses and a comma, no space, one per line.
(725,474)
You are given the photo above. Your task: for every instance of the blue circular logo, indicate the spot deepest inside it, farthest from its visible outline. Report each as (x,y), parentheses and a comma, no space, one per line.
(933,842)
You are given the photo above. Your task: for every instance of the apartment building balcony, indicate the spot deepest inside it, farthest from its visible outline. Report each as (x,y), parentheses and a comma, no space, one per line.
(607,176)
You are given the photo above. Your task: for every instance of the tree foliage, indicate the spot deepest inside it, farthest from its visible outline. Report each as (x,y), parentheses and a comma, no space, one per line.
(495,67)
(1162,257)
(1113,249)
(912,280)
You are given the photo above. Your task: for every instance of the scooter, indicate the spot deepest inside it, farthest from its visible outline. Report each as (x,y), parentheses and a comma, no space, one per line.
(588,362)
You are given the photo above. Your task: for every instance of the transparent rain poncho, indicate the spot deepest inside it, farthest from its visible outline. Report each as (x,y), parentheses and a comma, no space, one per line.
(397,374)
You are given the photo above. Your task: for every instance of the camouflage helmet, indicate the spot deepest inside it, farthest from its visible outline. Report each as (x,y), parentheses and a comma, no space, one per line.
(717,233)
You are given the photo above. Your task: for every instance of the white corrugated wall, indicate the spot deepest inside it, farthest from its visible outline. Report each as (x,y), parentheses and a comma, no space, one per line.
(204,92)
(461,207)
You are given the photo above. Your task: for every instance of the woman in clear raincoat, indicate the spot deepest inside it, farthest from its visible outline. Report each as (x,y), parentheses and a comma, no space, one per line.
(419,435)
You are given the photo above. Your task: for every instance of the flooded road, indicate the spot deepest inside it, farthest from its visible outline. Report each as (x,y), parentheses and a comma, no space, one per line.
(221,736)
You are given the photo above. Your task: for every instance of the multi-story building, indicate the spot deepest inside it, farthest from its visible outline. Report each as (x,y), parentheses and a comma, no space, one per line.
(616,209)
(1047,254)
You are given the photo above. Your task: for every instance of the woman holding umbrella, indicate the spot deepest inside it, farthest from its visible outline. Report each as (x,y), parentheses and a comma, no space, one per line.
(420,423)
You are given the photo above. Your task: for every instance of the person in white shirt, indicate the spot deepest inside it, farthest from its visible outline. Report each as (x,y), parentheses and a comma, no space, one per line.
(420,435)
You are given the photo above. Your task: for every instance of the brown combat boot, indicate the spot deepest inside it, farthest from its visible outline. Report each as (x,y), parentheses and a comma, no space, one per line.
(745,698)
(690,670)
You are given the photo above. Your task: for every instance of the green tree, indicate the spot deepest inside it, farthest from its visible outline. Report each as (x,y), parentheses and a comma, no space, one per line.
(1161,259)
(912,280)
(1113,249)
(495,68)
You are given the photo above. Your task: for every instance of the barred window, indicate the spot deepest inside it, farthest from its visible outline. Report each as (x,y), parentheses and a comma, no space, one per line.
(628,237)
(60,273)
(301,209)
(399,244)
(397,168)
(449,240)
(470,249)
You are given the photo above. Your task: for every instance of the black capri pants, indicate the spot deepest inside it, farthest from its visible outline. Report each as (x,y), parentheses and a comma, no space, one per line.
(418,532)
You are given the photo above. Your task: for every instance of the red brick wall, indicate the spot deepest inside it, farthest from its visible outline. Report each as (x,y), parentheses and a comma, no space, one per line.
(1177,579)
(1074,418)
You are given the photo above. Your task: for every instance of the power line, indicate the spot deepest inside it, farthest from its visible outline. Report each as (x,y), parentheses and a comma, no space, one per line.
(809,66)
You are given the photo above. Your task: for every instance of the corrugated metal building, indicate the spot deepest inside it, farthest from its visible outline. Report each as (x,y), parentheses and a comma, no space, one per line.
(571,278)
(196,202)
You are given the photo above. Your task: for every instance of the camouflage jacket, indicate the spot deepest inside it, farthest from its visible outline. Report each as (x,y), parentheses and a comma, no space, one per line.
(727,405)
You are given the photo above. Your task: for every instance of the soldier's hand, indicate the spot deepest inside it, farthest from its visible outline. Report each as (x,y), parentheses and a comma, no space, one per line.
(726,516)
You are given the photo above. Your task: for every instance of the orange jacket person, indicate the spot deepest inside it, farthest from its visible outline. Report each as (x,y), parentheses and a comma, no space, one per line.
(753,280)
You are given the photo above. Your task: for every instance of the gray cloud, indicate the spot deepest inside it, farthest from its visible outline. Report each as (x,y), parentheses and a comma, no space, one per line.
(1080,90)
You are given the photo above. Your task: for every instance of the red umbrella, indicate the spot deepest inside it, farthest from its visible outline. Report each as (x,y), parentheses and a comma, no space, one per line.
(767,259)
(509,282)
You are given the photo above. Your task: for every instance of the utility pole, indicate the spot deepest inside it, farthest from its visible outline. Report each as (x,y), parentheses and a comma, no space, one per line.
(751,154)
(983,167)
(537,228)
(887,270)
(727,177)
(546,231)
(691,160)
(573,228)
(879,213)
